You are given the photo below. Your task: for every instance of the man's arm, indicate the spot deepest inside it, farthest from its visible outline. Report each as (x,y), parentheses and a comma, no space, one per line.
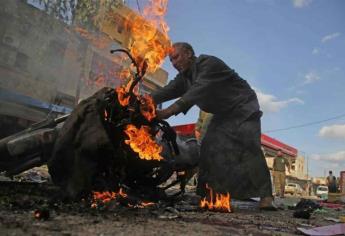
(210,74)
(174,89)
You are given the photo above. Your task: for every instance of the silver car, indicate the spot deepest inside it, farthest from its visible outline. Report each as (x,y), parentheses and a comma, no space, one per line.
(322,191)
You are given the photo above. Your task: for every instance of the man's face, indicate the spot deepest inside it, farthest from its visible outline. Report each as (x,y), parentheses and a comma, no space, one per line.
(279,153)
(181,58)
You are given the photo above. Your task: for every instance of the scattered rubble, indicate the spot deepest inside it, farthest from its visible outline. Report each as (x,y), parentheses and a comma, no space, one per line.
(20,201)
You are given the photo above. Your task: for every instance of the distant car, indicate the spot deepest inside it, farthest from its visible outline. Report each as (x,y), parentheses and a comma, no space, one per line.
(322,191)
(293,189)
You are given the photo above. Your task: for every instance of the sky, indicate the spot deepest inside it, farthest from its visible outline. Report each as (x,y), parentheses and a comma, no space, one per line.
(290,51)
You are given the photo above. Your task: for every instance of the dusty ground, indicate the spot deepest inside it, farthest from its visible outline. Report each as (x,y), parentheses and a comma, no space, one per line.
(19,201)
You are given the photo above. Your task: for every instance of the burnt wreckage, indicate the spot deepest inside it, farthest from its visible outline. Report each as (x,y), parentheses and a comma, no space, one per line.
(88,150)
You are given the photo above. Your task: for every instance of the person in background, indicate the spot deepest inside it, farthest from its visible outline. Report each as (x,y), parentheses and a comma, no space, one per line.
(202,124)
(331,182)
(279,164)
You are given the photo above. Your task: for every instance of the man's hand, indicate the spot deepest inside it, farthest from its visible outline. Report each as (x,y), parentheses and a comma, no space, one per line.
(166,113)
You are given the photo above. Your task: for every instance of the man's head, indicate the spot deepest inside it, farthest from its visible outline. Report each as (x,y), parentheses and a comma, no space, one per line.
(181,56)
(279,153)
(330,172)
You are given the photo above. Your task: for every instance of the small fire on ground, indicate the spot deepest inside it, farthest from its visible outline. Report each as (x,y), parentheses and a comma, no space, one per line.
(217,202)
(102,198)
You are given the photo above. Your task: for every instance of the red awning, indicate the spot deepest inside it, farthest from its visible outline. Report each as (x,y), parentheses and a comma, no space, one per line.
(185,130)
(275,144)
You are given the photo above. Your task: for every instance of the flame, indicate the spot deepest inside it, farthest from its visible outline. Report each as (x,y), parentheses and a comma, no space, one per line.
(123,93)
(142,143)
(106,196)
(150,40)
(147,107)
(221,203)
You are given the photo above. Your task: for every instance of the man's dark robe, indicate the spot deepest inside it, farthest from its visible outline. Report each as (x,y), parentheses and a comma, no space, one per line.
(231,157)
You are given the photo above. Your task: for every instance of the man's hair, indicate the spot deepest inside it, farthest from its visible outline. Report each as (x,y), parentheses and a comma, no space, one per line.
(185,46)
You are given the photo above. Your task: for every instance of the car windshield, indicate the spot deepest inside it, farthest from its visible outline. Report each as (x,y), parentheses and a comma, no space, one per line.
(292,185)
(323,188)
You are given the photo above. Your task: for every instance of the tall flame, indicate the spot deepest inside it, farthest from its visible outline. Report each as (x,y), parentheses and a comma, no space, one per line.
(220,203)
(150,40)
(142,143)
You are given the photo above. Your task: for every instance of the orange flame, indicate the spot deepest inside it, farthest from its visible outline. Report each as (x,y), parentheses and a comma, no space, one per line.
(123,93)
(141,142)
(221,203)
(105,197)
(150,40)
(147,107)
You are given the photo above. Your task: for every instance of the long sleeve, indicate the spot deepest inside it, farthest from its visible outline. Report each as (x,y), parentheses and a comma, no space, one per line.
(173,90)
(218,89)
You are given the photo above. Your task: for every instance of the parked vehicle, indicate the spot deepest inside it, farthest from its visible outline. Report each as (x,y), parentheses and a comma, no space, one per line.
(293,189)
(322,191)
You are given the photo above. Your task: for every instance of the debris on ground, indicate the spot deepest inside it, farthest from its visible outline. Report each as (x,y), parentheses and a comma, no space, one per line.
(19,201)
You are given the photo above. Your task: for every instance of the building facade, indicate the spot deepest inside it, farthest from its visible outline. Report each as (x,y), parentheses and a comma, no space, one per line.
(52,58)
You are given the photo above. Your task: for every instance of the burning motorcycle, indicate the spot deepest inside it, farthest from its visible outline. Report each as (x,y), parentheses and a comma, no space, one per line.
(110,141)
